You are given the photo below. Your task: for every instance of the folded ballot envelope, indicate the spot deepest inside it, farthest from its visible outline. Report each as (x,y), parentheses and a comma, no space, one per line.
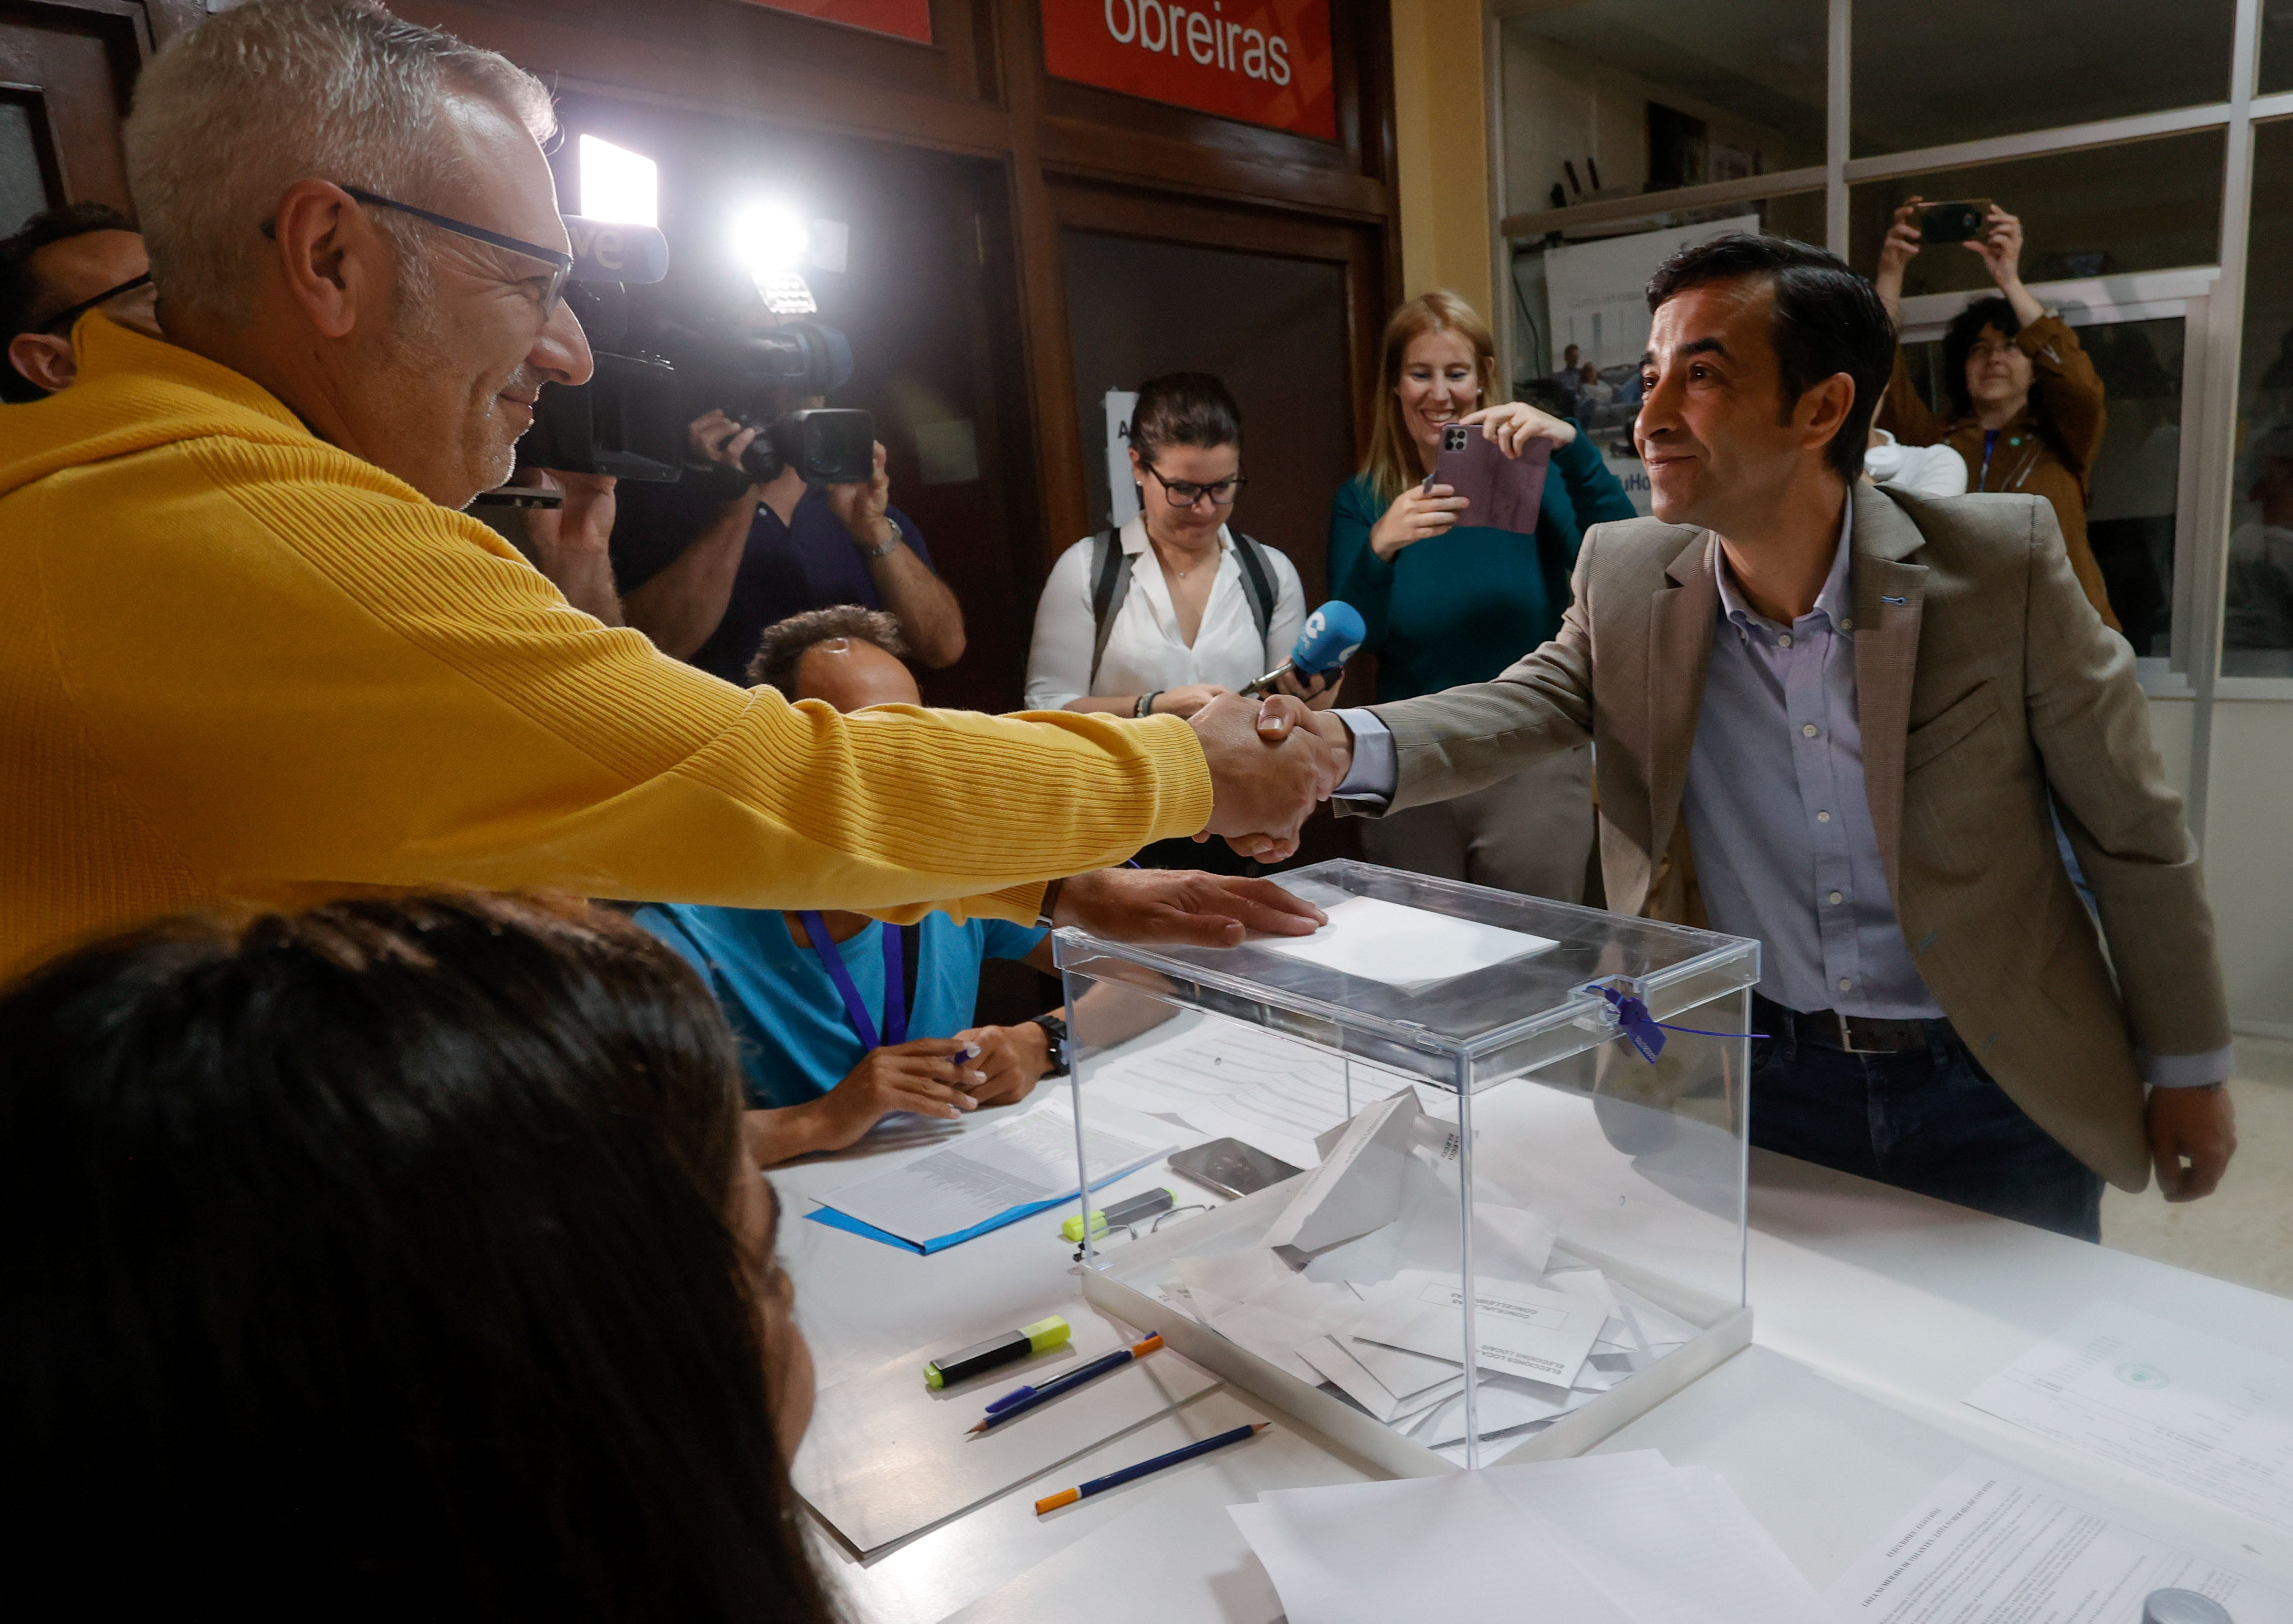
(1358,1186)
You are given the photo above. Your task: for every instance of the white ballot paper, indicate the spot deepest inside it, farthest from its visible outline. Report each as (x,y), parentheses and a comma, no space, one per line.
(1620,1538)
(2205,1414)
(1028,1159)
(1528,1331)
(1275,1324)
(1334,1358)
(1360,1188)
(1410,948)
(1449,1547)
(1993,1546)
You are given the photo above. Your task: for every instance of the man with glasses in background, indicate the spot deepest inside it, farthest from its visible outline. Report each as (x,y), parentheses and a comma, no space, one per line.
(57,267)
(269,656)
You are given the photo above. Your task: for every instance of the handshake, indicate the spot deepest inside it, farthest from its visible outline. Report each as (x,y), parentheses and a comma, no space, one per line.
(1272,761)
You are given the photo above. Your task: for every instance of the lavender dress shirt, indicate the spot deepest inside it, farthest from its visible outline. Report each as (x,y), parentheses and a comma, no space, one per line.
(1776,814)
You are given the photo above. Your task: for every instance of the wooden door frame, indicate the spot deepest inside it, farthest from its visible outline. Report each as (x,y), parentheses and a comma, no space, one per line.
(981,89)
(1355,247)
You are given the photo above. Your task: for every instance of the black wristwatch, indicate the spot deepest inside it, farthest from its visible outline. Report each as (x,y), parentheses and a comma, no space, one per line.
(1056,1030)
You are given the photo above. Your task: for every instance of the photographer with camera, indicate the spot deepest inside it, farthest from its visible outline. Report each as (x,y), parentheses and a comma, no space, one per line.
(2026,404)
(744,541)
(1450,600)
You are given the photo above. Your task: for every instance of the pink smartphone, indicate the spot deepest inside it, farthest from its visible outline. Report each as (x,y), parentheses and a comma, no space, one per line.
(1506,492)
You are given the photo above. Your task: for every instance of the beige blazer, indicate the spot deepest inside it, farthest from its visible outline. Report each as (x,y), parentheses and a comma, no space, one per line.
(1983,676)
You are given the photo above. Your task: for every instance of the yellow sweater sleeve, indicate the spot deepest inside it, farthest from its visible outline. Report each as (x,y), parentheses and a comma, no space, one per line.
(294,674)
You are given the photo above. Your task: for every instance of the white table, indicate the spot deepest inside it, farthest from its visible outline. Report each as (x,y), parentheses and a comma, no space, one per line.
(1877,1309)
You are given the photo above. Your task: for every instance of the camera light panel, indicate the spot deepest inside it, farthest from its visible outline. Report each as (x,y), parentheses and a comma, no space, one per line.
(619,185)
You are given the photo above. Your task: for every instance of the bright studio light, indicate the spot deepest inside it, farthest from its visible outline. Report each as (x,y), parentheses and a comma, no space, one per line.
(617,184)
(769,238)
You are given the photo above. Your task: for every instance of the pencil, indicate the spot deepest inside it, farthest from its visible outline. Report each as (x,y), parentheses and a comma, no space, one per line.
(1019,1401)
(1115,1480)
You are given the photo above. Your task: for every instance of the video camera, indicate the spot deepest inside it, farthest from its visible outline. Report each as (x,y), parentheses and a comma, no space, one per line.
(654,375)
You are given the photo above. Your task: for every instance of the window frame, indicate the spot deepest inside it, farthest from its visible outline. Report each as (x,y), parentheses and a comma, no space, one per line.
(2210,298)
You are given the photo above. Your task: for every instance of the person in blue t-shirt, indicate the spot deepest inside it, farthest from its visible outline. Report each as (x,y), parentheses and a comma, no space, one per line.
(827,1055)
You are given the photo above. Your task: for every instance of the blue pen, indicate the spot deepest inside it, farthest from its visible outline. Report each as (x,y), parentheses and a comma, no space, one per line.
(1115,1480)
(1020,1400)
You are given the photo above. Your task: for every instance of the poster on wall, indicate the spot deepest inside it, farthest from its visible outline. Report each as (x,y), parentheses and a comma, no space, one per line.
(906,18)
(1264,61)
(1596,298)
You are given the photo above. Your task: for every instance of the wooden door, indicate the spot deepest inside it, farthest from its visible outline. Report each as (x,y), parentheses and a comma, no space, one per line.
(1284,309)
(65,74)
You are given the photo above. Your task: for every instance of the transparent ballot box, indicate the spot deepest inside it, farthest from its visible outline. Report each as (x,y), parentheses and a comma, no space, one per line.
(1458,1179)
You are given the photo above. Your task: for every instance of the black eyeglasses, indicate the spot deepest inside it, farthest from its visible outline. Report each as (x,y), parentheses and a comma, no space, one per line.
(560,264)
(59,324)
(1185,493)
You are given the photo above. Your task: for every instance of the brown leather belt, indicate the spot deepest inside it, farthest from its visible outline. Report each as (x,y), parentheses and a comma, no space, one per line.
(1851,1034)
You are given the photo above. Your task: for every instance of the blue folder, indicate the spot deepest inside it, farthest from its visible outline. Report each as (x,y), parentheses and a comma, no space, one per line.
(836,1220)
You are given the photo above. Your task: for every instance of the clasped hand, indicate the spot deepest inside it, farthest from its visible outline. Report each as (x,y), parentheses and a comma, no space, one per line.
(1271,763)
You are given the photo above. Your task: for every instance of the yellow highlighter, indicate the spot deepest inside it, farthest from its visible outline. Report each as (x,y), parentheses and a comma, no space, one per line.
(1132,1209)
(1039,1338)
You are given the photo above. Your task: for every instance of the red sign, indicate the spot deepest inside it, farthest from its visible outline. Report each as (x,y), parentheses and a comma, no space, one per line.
(1267,62)
(908,19)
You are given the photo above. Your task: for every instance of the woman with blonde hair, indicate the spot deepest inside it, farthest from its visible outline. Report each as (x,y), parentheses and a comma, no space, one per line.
(1448,601)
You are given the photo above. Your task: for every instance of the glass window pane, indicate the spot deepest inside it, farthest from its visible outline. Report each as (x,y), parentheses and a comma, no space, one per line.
(2257,634)
(2150,207)
(23,189)
(1606,98)
(1927,72)
(2136,477)
(2276,48)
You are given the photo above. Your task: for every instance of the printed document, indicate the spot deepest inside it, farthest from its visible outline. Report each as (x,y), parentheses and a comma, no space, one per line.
(1236,1082)
(1993,1546)
(1410,948)
(2175,1404)
(1521,1330)
(1025,1162)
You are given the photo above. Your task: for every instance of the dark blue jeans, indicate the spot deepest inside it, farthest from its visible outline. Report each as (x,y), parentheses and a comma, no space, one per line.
(1929,1120)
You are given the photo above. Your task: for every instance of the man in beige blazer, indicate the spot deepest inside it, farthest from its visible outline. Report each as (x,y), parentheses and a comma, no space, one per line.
(1841,719)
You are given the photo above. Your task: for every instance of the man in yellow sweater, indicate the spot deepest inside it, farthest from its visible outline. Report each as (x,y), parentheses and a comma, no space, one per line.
(253,648)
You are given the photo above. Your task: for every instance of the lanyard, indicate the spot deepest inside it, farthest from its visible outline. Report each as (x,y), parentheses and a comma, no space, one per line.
(895,1004)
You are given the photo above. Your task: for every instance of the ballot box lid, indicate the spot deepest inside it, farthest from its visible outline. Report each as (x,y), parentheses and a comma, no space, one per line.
(1461,984)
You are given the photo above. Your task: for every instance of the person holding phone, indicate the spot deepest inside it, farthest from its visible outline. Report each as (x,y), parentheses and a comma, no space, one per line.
(2026,412)
(1450,600)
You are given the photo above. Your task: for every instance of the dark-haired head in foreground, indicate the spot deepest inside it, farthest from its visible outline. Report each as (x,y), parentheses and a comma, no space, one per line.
(1766,361)
(395,1259)
(54,268)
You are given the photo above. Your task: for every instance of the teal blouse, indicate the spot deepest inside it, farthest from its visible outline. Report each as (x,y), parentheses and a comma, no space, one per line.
(1461,607)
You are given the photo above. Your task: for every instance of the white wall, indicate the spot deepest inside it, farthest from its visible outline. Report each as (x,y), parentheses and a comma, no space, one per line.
(1561,103)
(2250,858)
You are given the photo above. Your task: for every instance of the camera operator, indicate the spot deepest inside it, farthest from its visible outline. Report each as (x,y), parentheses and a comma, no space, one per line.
(2026,404)
(704,575)
(569,543)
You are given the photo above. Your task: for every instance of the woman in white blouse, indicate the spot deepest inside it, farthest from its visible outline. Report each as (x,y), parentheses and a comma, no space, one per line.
(1192,609)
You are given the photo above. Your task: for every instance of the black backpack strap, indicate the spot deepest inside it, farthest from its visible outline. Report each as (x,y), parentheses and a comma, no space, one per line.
(1257,582)
(1110,584)
(912,954)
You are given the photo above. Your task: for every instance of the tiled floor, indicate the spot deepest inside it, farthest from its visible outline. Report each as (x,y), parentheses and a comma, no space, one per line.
(2244,1231)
